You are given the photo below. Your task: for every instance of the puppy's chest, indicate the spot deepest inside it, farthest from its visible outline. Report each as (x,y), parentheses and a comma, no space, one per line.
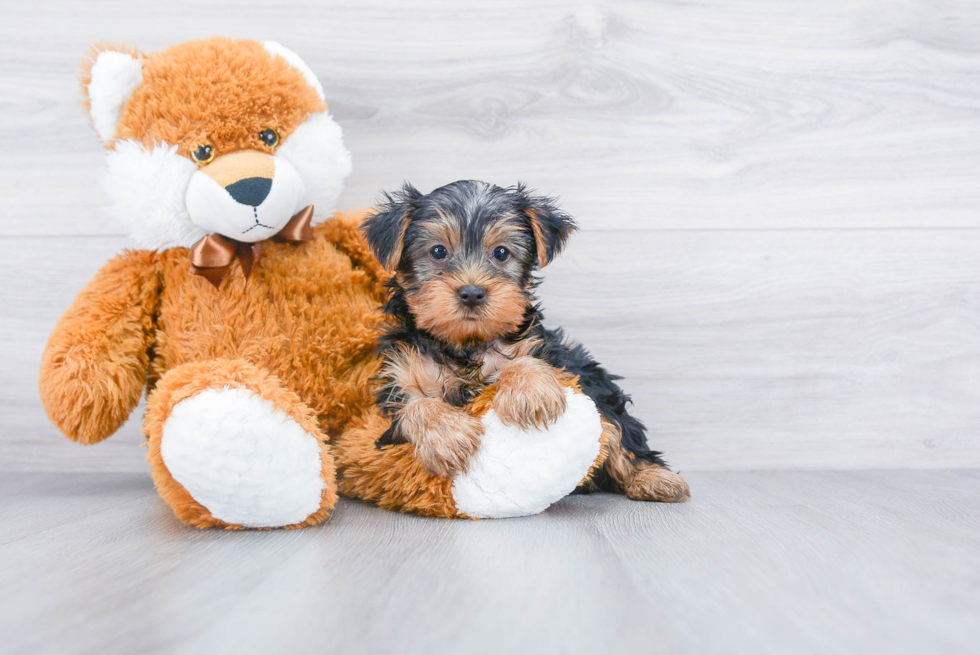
(459,380)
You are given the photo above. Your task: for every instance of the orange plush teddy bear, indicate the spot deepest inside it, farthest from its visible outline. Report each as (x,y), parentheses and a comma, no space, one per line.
(249,316)
(250,313)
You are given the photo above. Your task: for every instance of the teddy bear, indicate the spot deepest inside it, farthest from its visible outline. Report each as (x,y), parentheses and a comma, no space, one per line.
(249,311)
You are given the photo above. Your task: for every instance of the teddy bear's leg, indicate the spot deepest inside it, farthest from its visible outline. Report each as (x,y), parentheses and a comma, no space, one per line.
(231,447)
(390,476)
(515,472)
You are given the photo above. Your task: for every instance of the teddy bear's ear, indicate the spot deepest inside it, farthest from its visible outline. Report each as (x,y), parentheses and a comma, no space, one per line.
(109,76)
(293,59)
(551,226)
(385,229)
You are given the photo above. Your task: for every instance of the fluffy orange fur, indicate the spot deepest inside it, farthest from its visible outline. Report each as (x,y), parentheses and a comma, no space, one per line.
(300,332)
(94,368)
(393,478)
(223,91)
(190,379)
(307,315)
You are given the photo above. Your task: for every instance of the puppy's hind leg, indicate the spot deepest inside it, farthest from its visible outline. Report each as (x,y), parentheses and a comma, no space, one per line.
(640,478)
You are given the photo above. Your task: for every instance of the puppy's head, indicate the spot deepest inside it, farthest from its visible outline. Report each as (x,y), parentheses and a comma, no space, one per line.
(465,254)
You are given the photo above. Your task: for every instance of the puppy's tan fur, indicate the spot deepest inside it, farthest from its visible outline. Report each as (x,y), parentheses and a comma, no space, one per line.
(445,437)
(437,308)
(640,479)
(529,394)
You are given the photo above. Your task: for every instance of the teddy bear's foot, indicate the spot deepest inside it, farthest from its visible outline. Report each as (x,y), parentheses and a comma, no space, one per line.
(518,472)
(515,472)
(230,447)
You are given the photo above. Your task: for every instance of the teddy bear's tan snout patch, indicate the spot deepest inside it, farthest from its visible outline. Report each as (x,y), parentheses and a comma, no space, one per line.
(246,175)
(237,166)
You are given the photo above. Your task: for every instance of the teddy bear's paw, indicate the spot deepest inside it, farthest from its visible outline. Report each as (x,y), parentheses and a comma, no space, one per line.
(245,460)
(517,472)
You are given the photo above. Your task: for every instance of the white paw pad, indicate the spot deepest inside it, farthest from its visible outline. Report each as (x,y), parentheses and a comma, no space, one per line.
(520,472)
(245,460)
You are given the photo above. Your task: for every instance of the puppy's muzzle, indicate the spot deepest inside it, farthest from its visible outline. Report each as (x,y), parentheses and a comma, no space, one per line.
(472,296)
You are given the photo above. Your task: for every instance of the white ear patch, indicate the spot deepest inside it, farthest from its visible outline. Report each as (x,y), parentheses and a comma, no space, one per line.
(278,50)
(115,75)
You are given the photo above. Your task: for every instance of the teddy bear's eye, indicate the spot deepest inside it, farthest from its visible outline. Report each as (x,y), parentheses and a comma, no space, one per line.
(269,137)
(202,154)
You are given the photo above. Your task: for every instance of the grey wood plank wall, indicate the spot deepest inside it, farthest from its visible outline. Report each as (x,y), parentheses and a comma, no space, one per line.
(780,201)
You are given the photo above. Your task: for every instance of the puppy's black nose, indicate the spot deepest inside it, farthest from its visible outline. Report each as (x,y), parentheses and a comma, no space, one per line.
(250,191)
(472,295)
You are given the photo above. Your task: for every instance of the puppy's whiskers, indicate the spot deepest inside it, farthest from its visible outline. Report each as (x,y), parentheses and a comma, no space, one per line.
(462,315)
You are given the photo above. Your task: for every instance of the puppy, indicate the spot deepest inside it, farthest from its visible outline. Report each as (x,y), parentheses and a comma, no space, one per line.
(462,315)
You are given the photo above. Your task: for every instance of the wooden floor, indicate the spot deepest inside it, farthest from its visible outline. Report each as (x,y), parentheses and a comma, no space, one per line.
(779,201)
(780,211)
(758,562)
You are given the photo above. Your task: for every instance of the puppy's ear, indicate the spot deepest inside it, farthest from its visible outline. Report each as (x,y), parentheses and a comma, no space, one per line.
(551,226)
(385,229)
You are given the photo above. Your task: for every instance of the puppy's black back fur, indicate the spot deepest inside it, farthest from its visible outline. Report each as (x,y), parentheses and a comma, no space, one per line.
(480,202)
(598,384)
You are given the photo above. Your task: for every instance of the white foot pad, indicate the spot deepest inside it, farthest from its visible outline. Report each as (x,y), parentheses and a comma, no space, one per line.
(519,472)
(242,458)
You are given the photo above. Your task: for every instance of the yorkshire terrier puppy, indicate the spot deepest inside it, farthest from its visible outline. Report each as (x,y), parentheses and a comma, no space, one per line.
(462,315)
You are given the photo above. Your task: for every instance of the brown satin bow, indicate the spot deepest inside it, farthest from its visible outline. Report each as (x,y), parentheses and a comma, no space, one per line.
(211,257)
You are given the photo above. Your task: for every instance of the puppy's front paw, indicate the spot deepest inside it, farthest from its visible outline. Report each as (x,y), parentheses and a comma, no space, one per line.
(445,438)
(529,394)
(654,482)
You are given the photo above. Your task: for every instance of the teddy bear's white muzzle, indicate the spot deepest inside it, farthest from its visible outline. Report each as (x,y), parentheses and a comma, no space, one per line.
(252,207)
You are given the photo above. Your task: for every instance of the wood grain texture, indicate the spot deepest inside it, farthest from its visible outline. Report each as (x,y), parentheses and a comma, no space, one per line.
(756,349)
(779,201)
(757,562)
(840,113)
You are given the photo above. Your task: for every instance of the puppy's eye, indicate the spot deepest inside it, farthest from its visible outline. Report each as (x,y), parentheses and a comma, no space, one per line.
(501,254)
(202,154)
(438,253)
(269,137)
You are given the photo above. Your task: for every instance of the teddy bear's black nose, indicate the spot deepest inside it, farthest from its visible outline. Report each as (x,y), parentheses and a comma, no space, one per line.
(472,295)
(250,191)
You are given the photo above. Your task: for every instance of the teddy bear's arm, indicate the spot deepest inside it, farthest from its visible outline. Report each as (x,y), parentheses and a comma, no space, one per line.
(343,231)
(94,367)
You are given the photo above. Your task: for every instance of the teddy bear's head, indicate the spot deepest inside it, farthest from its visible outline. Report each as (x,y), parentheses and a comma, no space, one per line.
(220,136)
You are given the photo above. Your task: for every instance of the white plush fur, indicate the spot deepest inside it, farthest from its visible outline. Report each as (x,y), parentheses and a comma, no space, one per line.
(316,149)
(115,75)
(146,190)
(517,472)
(213,209)
(243,459)
(293,59)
